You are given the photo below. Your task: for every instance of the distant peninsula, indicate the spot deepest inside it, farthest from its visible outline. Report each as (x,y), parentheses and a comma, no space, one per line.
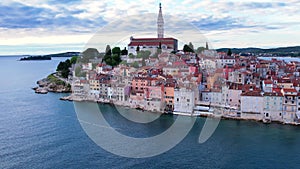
(48,57)
(292,51)
(35,58)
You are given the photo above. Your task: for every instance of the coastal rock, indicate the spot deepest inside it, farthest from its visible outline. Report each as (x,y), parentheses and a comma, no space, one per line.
(41,90)
(53,84)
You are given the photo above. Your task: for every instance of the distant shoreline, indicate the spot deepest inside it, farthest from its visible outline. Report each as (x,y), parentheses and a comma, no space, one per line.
(35,58)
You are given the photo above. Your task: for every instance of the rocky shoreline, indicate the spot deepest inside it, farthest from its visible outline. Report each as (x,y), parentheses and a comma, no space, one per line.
(52,84)
(223,117)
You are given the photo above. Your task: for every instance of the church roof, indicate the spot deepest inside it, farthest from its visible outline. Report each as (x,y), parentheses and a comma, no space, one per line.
(151,41)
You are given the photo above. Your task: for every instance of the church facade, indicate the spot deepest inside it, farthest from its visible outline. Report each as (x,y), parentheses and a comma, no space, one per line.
(152,44)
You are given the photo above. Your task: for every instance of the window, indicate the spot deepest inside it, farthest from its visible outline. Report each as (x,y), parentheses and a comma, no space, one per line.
(178,99)
(188,100)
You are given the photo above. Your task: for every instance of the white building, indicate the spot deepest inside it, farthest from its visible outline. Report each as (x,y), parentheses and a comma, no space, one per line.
(273,106)
(225,60)
(207,64)
(289,105)
(234,97)
(267,85)
(252,105)
(184,100)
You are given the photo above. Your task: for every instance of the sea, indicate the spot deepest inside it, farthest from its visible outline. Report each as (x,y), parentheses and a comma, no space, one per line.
(41,131)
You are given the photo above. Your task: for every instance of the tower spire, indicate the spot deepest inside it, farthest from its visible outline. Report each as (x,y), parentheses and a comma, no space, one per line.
(160,23)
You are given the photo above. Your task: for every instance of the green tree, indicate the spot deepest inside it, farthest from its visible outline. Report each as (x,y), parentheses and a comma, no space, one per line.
(108,50)
(186,48)
(65,73)
(229,53)
(145,54)
(159,46)
(191,46)
(117,58)
(143,62)
(135,64)
(131,56)
(124,62)
(74,59)
(200,49)
(124,51)
(116,50)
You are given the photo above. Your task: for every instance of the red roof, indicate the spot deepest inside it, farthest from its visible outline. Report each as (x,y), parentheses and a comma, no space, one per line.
(277,94)
(252,93)
(268,82)
(151,41)
(290,90)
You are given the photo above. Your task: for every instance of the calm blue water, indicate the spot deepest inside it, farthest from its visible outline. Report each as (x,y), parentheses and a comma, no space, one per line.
(40,131)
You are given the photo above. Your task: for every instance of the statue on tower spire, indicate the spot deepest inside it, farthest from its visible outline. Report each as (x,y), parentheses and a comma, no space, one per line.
(160,24)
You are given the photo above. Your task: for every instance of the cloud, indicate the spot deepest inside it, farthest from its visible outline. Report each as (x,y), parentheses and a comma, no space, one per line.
(71,19)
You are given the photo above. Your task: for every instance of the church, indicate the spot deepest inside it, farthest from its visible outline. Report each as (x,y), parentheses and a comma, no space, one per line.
(152,44)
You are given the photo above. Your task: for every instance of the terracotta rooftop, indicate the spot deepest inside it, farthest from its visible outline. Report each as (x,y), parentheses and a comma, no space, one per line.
(252,93)
(278,94)
(289,90)
(151,41)
(268,81)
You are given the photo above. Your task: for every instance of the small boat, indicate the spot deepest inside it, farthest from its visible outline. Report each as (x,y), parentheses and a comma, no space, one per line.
(267,121)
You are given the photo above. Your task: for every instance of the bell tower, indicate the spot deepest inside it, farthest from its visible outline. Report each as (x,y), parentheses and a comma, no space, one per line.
(160,24)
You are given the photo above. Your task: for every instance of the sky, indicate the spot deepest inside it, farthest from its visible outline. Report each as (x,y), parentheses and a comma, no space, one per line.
(52,26)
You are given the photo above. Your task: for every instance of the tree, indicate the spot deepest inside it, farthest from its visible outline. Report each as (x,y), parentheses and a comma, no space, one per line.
(143,62)
(108,50)
(187,48)
(79,73)
(74,59)
(145,54)
(116,58)
(191,46)
(200,49)
(135,64)
(229,53)
(131,56)
(65,73)
(124,51)
(112,60)
(124,62)
(63,68)
(116,50)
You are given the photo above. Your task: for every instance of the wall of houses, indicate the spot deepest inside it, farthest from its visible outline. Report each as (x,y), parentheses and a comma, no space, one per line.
(184,100)
(252,107)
